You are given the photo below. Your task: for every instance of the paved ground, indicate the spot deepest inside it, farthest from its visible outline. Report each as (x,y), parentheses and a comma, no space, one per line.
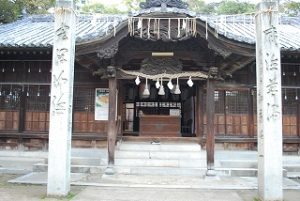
(122,187)
(18,192)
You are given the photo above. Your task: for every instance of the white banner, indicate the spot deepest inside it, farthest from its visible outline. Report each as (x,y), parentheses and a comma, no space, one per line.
(101,103)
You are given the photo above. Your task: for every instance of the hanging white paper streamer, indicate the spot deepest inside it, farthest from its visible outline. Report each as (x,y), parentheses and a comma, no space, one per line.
(158,29)
(169,28)
(148,31)
(178,28)
(206,34)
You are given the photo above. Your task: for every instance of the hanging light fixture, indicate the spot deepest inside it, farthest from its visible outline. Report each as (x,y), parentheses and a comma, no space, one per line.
(285,96)
(27,94)
(157,85)
(10,91)
(294,74)
(29,70)
(170,85)
(161,90)
(296,97)
(38,92)
(50,71)
(40,70)
(146,91)
(177,89)
(137,80)
(13,70)
(283,73)
(190,83)
(3,70)
(1,90)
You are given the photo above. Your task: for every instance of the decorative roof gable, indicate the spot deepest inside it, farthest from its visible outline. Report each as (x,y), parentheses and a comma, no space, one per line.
(163,4)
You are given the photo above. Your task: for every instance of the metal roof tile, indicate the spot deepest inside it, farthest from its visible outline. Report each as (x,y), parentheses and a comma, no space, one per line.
(37,31)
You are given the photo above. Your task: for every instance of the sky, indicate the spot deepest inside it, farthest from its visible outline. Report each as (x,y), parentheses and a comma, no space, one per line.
(109,2)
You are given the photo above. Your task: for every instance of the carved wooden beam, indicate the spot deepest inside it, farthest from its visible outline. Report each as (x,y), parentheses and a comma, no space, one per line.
(240,64)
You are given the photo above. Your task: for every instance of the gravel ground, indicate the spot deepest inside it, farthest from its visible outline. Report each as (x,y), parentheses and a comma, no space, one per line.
(21,192)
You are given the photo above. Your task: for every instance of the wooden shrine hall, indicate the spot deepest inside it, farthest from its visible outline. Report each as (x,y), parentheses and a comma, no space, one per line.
(169,73)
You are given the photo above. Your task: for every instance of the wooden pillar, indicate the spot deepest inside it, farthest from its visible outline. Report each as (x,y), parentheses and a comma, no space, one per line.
(199,113)
(22,113)
(250,117)
(269,103)
(210,137)
(61,102)
(298,122)
(112,129)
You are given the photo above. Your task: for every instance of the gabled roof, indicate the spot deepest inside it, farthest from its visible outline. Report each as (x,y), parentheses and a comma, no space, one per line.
(37,31)
(242,29)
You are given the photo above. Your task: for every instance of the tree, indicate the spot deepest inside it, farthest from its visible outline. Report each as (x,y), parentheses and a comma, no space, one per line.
(196,5)
(35,6)
(132,5)
(234,7)
(292,8)
(100,8)
(10,10)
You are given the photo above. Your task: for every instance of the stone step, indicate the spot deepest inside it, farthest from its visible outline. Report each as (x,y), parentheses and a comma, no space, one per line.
(87,161)
(162,171)
(237,172)
(293,175)
(160,163)
(160,155)
(230,172)
(42,167)
(292,167)
(147,146)
(238,164)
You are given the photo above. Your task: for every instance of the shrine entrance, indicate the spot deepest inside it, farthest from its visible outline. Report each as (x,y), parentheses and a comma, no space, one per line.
(168,115)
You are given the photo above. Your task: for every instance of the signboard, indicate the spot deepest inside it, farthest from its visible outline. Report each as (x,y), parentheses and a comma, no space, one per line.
(101,103)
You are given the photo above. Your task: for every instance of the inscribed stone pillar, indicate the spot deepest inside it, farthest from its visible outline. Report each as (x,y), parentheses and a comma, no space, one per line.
(269,113)
(60,129)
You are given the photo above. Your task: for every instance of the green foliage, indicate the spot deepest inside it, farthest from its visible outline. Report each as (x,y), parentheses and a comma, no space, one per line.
(196,5)
(292,8)
(224,7)
(235,7)
(132,5)
(10,10)
(35,6)
(100,8)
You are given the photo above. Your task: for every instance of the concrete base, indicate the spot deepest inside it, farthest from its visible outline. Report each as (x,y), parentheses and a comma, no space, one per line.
(109,171)
(211,173)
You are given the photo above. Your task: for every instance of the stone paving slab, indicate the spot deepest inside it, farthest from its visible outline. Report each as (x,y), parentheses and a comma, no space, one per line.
(155,181)
(41,178)
(142,194)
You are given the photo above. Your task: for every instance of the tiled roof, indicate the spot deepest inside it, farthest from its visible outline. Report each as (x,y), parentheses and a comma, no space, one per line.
(242,29)
(37,31)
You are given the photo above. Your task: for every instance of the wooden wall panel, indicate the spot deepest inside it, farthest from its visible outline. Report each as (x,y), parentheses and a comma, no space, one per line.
(9,120)
(289,125)
(84,122)
(36,121)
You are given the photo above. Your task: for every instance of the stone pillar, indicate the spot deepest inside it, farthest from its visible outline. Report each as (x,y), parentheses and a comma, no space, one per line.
(61,102)
(112,128)
(210,114)
(269,109)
